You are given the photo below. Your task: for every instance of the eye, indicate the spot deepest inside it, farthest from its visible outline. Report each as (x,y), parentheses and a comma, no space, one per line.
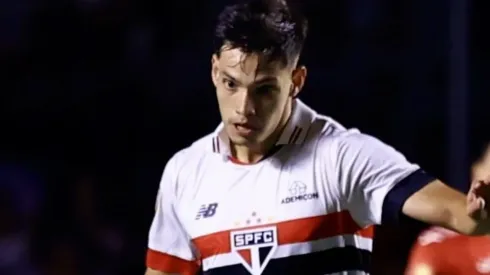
(230,85)
(265,89)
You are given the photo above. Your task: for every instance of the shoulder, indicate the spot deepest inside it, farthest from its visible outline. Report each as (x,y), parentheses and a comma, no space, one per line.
(346,144)
(328,133)
(433,249)
(435,235)
(335,139)
(189,159)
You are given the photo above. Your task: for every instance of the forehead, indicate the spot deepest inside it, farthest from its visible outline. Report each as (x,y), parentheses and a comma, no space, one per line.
(250,67)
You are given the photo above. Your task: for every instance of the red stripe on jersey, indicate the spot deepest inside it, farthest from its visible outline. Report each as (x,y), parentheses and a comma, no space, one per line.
(289,232)
(170,264)
(237,161)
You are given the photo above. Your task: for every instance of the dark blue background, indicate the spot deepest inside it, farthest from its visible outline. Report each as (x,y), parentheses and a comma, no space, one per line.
(96,95)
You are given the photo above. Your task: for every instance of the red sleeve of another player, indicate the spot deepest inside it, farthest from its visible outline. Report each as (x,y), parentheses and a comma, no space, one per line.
(423,261)
(170,264)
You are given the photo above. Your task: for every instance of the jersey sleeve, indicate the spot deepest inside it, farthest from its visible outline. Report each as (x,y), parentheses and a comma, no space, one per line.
(169,246)
(375,179)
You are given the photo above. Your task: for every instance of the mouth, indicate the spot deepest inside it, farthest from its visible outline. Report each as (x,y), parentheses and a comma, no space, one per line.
(245,129)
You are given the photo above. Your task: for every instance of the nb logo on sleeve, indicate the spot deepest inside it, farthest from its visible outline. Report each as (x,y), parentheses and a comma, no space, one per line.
(206,211)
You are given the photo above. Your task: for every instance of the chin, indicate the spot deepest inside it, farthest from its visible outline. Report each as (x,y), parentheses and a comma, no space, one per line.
(241,140)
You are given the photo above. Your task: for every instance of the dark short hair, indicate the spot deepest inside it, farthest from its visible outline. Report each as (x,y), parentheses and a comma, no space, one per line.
(271,27)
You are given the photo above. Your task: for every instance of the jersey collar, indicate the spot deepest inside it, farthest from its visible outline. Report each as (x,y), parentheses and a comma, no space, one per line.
(295,131)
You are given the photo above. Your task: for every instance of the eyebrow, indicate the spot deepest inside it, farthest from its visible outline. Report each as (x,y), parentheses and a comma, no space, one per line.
(268,79)
(227,75)
(271,79)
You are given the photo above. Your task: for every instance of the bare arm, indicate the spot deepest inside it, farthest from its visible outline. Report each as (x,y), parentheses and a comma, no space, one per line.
(150,271)
(441,205)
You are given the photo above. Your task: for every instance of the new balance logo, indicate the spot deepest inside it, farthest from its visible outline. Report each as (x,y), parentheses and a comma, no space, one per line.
(206,211)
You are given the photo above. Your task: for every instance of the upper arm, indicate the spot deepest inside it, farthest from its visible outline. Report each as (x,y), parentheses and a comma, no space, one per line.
(368,172)
(170,248)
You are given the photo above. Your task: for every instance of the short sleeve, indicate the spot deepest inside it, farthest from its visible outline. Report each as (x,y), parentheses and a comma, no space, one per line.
(169,246)
(375,179)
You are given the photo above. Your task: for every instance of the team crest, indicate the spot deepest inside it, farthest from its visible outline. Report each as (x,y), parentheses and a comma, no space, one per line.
(254,247)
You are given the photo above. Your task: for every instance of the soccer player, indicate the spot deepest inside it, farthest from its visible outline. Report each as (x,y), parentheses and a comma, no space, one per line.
(441,251)
(278,188)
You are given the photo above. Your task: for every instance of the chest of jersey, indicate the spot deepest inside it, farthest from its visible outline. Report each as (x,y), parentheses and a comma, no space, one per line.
(230,195)
(250,219)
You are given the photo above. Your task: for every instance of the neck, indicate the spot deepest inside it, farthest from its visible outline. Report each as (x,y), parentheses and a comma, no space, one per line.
(253,153)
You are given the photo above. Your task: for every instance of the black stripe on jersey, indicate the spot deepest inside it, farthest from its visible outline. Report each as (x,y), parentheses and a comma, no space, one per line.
(319,263)
(296,136)
(293,134)
(396,197)
(215,141)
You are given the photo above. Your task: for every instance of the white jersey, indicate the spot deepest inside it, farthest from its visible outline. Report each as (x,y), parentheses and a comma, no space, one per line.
(308,209)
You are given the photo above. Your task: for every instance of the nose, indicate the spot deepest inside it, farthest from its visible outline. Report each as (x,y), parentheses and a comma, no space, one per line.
(246,106)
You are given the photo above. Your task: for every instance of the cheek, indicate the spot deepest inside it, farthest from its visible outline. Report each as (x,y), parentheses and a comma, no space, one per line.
(272,111)
(225,102)
(275,104)
(222,96)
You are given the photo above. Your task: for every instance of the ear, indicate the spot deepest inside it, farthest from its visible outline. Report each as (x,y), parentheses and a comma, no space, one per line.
(214,69)
(298,77)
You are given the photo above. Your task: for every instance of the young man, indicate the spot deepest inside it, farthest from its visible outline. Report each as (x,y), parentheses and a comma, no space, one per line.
(278,188)
(441,251)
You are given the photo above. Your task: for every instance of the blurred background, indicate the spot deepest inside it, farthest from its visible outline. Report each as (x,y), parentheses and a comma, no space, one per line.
(96,95)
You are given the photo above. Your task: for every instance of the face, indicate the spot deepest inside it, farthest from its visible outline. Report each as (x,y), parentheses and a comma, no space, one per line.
(481,169)
(254,96)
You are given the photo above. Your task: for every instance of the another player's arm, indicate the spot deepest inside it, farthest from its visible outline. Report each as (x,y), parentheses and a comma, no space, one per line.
(379,184)
(170,250)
